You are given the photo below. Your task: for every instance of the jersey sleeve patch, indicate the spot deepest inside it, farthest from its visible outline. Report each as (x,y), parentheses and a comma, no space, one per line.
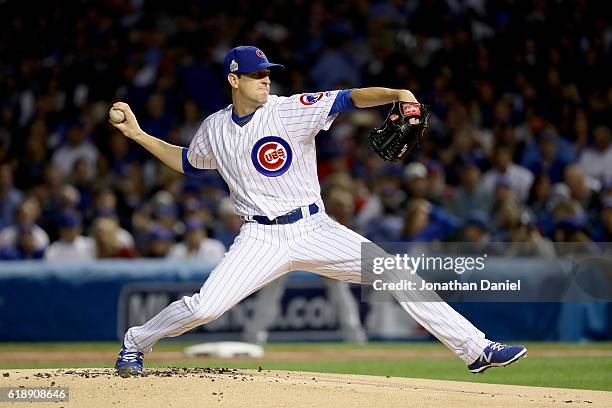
(304,115)
(308,99)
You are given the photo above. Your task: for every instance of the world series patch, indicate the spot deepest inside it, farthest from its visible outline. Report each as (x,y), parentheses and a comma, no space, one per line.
(271,156)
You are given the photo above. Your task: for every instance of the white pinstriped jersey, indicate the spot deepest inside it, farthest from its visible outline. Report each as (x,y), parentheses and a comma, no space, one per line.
(270,163)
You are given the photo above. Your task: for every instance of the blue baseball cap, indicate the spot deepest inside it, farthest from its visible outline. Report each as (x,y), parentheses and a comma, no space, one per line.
(193,225)
(245,59)
(68,220)
(478,219)
(159,233)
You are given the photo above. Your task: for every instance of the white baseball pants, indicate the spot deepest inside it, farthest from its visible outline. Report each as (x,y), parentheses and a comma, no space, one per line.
(262,253)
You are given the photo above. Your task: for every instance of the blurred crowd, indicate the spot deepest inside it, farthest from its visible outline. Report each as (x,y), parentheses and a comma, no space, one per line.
(519,147)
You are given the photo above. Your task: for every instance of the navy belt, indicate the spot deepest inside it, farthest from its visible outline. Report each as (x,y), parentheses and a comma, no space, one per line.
(289,218)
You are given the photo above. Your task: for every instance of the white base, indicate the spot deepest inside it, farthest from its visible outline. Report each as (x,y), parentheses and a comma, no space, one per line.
(225,349)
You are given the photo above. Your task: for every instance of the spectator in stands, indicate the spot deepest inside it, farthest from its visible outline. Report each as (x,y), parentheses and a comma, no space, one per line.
(166,215)
(526,240)
(520,178)
(71,246)
(503,193)
(335,65)
(476,227)
(76,147)
(197,245)
(193,209)
(465,138)
(108,242)
(64,198)
(104,204)
(438,192)
(212,191)
(157,119)
(424,222)
(25,246)
(573,230)
(567,209)
(597,160)
(549,160)
(475,233)
(26,217)
(384,210)
(10,197)
(83,180)
(159,242)
(506,216)
(415,180)
(32,170)
(582,188)
(540,202)
(340,204)
(120,155)
(470,195)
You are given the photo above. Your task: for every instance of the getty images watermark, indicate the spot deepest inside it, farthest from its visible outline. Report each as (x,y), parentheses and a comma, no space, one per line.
(459,265)
(497,272)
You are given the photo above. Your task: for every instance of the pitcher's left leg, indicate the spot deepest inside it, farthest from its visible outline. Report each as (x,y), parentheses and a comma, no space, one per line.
(328,248)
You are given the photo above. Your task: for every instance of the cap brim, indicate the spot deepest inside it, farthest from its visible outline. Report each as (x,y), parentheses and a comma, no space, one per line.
(265,65)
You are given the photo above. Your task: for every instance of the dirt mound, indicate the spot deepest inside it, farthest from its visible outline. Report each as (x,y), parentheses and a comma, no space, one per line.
(206,387)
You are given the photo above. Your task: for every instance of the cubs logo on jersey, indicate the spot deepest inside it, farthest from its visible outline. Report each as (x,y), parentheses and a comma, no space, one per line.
(311,98)
(271,156)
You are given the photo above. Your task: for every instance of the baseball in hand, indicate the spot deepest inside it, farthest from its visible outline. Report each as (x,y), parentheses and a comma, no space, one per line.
(116,115)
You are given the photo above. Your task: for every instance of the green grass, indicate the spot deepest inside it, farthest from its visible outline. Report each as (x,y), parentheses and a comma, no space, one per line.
(566,372)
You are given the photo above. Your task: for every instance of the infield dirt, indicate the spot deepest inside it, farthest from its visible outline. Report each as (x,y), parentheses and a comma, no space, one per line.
(203,387)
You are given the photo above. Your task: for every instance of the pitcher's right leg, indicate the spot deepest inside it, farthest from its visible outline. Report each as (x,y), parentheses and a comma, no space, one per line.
(257,257)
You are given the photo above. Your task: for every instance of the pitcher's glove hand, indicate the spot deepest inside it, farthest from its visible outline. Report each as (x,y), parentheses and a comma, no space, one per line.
(401,131)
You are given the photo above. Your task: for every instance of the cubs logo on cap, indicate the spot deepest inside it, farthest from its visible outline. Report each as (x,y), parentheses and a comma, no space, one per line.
(271,156)
(245,59)
(310,98)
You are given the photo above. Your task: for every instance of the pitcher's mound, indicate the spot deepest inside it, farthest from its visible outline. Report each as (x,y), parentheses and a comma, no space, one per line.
(203,387)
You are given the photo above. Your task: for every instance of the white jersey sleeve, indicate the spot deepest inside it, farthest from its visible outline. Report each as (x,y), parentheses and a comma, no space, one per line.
(200,154)
(305,115)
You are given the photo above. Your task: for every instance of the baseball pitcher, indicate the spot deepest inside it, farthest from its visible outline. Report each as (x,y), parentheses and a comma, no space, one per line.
(264,148)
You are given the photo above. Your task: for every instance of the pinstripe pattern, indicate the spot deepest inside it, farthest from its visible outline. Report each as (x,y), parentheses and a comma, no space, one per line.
(330,249)
(258,256)
(262,253)
(221,144)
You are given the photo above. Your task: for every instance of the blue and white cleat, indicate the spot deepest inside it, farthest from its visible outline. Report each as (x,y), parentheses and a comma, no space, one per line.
(129,363)
(497,355)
